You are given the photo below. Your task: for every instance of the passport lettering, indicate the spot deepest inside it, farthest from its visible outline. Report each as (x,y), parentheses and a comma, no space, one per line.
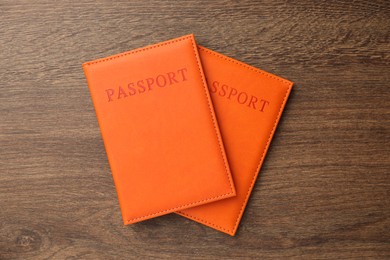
(240,97)
(147,84)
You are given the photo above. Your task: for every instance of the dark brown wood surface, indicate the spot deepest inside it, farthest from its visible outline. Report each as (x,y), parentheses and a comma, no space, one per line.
(324,186)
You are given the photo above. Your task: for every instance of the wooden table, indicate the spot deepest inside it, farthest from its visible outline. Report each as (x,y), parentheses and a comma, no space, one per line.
(324,186)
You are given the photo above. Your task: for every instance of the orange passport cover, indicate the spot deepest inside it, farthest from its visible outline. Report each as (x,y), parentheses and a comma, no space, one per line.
(159,129)
(248,103)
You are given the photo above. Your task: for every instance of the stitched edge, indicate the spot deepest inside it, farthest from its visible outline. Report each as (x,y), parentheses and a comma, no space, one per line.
(133,220)
(216,128)
(137,50)
(230,232)
(254,178)
(191,38)
(262,157)
(244,65)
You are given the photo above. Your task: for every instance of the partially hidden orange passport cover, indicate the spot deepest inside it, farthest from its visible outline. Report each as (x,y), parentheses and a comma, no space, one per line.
(159,129)
(248,103)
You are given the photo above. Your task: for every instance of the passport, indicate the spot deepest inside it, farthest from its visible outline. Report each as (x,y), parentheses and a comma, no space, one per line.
(248,103)
(159,129)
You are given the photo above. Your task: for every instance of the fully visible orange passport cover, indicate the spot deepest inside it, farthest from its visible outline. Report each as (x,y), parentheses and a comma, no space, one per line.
(248,103)
(159,129)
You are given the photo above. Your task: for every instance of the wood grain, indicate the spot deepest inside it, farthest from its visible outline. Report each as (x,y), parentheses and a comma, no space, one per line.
(324,187)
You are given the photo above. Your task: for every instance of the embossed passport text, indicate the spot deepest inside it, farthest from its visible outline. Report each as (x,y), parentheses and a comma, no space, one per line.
(159,129)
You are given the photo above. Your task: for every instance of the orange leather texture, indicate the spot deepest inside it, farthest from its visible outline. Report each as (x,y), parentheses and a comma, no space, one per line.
(248,103)
(159,129)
